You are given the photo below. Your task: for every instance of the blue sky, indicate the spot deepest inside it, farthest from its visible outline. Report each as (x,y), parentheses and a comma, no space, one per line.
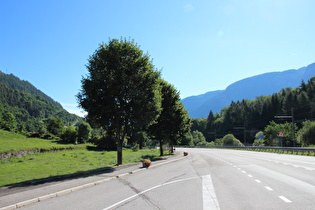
(199,45)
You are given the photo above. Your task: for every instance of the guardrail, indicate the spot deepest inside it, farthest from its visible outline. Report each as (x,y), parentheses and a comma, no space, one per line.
(287,150)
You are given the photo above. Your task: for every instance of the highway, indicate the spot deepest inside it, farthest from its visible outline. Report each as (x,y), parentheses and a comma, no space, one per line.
(205,179)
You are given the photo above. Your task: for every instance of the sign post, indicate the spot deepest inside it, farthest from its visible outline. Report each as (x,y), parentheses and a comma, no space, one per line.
(281,135)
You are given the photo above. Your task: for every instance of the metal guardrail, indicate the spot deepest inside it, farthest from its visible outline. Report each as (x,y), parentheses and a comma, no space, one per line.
(291,150)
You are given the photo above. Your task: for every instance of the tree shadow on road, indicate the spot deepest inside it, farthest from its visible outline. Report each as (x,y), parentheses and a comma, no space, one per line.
(59,178)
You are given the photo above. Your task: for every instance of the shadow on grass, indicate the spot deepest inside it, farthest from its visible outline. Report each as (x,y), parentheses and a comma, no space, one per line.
(156,158)
(95,148)
(51,179)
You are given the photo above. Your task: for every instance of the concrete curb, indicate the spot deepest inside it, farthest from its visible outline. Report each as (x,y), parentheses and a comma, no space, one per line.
(67,191)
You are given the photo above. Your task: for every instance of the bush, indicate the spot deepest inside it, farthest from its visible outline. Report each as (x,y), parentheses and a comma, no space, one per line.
(259,142)
(306,135)
(70,135)
(135,148)
(107,143)
(230,140)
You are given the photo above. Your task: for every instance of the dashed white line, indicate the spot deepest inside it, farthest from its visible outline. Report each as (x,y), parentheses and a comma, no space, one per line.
(309,169)
(268,188)
(285,199)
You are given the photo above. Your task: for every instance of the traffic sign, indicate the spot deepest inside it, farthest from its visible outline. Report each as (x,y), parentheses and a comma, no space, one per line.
(280,134)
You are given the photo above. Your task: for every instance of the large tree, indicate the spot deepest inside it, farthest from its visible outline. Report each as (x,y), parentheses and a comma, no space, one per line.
(55,126)
(84,132)
(173,122)
(121,92)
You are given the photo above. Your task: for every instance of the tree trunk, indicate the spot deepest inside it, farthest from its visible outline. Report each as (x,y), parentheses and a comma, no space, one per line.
(161,148)
(172,147)
(119,152)
(119,146)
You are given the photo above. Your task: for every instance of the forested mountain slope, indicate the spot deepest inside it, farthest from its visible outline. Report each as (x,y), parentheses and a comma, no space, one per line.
(244,118)
(249,88)
(30,106)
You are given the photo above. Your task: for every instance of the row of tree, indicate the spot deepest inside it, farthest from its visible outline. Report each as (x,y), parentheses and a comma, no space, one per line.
(245,118)
(126,96)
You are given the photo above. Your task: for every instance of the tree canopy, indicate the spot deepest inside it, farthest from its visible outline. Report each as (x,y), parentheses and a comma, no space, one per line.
(173,122)
(121,92)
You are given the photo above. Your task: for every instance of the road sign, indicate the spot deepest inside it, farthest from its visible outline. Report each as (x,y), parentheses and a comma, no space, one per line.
(280,134)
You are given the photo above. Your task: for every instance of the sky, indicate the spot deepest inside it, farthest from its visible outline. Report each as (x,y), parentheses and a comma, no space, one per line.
(198,45)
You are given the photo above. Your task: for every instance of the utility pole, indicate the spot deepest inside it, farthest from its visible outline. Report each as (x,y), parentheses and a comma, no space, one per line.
(293,133)
(241,128)
(213,133)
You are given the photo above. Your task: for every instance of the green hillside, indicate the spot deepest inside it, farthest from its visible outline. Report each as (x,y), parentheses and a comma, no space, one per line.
(29,106)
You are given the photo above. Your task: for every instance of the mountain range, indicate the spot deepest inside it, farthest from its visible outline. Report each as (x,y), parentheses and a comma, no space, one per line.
(249,88)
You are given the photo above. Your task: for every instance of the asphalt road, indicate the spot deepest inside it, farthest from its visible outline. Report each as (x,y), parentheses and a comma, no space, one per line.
(205,179)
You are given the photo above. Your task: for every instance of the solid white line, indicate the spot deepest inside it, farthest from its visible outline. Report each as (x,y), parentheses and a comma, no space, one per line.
(180,180)
(144,191)
(285,199)
(210,200)
(268,188)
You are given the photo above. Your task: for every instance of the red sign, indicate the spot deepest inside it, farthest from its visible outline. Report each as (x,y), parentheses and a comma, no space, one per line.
(281,134)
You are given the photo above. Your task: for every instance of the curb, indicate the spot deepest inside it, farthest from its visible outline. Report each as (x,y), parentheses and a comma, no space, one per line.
(73,189)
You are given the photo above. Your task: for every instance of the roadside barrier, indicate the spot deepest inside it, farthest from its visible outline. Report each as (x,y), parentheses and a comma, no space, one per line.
(287,150)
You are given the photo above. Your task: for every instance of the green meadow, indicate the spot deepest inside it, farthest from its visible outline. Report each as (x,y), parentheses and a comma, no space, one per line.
(51,164)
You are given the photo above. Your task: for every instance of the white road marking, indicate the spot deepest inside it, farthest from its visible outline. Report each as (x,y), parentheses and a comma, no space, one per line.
(268,188)
(144,191)
(244,172)
(257,180)
(250,176)
(309,169)
(285,199)
(210,201)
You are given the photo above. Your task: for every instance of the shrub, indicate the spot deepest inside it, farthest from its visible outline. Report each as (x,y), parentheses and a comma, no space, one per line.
(259,142)
(135,148)
(230,140)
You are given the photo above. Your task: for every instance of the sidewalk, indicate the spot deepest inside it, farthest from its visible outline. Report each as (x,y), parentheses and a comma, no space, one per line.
(15,197)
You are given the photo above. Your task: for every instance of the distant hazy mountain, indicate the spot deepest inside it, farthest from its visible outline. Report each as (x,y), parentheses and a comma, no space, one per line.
(249,88)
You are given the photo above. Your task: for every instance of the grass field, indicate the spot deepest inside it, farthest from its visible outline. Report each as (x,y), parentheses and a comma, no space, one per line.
(10,141)
(50,164)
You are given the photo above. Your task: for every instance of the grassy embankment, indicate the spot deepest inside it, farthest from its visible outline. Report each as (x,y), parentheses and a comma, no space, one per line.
(50,164)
